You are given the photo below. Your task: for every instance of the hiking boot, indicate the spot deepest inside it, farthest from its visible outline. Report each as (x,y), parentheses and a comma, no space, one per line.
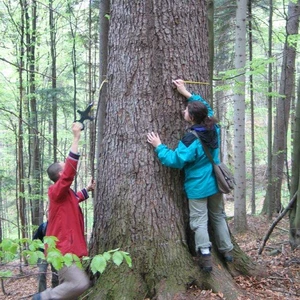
(228,257)
(205,262)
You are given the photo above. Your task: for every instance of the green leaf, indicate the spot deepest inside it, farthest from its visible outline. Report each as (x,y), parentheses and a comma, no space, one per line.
(50,241)
(127,259)
(8,244)
(36,244)
(68,259)
(55,258)
(114,250)
(107,255)
(32,257)
(98,264)
(57,263)
(40,254)
(117,258)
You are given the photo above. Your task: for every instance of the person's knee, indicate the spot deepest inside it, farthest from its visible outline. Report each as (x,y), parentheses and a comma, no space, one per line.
(83,285)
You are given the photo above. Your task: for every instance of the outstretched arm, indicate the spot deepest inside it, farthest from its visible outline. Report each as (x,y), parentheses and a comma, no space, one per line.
(181,88)
(191,97)
(76,129)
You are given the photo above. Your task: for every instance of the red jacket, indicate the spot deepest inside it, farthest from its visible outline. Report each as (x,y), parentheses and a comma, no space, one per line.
(65,219)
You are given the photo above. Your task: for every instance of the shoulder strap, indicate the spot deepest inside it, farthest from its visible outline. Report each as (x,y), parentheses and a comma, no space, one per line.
(204,147)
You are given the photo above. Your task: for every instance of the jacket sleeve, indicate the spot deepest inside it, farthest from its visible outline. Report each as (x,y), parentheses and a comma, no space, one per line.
(177,158)
(196,97)
(82,195)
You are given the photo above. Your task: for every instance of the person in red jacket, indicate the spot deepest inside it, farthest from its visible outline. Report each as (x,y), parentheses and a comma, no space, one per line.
(67,224)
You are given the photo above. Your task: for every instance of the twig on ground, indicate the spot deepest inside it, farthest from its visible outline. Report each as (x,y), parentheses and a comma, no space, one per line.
(283,229)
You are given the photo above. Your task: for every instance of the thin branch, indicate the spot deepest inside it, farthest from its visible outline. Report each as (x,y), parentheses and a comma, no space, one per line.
(24,69)
(275,223)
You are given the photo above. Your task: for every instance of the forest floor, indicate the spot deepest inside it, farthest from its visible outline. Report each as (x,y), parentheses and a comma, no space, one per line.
(282,266)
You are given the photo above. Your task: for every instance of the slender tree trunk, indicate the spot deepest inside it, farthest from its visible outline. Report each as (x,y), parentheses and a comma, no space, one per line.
(240,215)
(34,143)
(104,9)
(1,210)
(53,78)
(287,83)
(253,188)
(20,164)
(269,196)
(294,214)
(140,206)
(91,93)
(73,29)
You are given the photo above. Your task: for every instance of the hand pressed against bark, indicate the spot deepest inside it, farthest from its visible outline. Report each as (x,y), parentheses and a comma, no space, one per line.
(153,139)
(181,88)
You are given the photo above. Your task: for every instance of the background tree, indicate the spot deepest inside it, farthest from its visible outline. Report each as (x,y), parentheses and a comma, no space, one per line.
(53,94)
(240,220)
(34,188)
(20,168)
(286,91)
(251,87)
(294,213)
(269,197)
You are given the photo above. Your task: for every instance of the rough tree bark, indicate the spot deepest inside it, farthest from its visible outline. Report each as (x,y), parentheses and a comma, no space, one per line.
(140,206)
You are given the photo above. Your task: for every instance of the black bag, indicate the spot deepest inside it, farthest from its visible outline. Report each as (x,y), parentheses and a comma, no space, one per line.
(225,178)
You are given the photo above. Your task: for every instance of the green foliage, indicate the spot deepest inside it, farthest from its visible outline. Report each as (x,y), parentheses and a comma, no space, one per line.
(12,249)
(99,262)
(293,40)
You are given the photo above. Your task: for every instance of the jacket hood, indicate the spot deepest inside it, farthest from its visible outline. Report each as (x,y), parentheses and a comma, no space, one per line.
(208,136)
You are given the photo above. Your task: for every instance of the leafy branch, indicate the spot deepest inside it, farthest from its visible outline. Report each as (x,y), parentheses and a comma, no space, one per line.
(10,250)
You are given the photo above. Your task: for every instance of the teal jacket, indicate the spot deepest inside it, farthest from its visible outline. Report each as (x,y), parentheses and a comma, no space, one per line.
(200,181)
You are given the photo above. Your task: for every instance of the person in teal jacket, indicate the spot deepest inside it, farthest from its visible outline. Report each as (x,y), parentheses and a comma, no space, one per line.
(205,200)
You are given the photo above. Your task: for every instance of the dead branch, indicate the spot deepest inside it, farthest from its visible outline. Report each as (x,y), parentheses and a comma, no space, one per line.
(275,223)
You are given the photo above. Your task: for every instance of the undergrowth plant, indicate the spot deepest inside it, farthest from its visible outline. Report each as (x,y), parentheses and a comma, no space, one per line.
(12,249)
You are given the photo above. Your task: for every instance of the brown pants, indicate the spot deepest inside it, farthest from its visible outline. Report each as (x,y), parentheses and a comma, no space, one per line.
(72,283)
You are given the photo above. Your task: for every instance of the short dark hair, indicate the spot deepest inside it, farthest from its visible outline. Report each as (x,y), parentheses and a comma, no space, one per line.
(53,171)
(199,114)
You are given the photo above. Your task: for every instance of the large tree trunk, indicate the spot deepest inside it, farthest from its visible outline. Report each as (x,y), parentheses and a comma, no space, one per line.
(140,204)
